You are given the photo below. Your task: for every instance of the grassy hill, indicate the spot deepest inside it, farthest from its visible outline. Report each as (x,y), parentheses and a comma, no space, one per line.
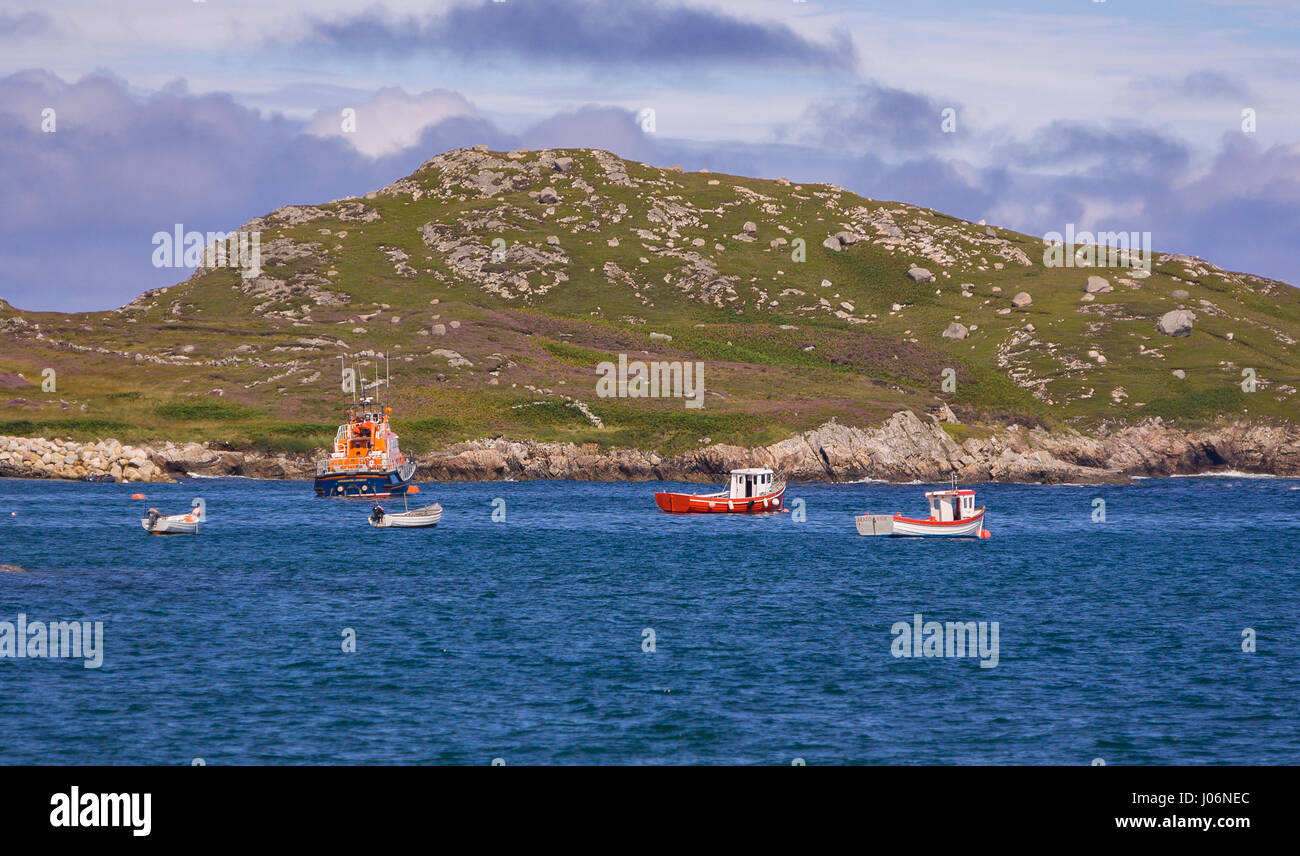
(485,342)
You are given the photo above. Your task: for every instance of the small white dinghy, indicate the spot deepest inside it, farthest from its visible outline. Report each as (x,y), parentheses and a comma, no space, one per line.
(410,519)
(158,523)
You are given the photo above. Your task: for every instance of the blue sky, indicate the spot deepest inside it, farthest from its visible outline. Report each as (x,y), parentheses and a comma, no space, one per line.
(1114,116)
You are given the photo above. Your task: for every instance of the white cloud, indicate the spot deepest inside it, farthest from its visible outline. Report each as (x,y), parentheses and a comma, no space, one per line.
(390,121)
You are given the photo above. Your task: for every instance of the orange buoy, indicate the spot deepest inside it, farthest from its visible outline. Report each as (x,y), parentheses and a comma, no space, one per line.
(137,496)
(984,533)
(412,489)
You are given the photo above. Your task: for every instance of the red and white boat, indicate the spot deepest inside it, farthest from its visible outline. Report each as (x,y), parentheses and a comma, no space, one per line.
(952,515)
(753,491)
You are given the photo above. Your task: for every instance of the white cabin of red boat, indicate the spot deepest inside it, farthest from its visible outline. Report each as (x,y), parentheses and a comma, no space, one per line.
(949,505)
(754,481)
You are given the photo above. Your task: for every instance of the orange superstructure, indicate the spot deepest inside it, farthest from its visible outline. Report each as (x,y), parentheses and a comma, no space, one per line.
(365,442)
(366,459)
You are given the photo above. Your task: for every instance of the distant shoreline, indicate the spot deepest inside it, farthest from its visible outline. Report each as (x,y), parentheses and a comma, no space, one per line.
(905,448)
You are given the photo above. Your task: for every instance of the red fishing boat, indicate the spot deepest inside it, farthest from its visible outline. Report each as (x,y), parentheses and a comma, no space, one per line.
(752,491)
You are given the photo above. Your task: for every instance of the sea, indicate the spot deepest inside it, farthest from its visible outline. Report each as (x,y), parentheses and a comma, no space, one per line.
(1156,622)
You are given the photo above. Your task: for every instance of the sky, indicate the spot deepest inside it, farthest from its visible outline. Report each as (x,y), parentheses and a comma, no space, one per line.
(1181,119)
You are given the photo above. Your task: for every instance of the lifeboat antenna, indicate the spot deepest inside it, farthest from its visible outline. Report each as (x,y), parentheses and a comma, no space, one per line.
(388,386)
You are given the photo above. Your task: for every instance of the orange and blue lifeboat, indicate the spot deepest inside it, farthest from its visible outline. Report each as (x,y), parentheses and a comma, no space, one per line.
(366,461)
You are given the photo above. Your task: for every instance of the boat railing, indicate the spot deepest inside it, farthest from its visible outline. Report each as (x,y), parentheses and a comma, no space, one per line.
(346,466)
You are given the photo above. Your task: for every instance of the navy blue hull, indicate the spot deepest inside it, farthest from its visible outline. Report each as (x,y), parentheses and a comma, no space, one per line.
(361,485)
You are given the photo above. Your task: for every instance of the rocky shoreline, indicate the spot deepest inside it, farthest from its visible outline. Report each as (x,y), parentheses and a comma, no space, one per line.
(905,448)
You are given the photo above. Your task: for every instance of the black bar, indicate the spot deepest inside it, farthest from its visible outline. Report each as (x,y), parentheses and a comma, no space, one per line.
(336,804)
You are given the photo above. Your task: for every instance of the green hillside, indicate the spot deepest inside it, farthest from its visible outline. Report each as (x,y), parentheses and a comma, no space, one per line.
(505,344)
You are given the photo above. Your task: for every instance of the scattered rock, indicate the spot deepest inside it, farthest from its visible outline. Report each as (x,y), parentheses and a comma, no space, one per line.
(1177,322)
(956,331)
(1098,285)
(1022,300)
(1179,294)
(919,274)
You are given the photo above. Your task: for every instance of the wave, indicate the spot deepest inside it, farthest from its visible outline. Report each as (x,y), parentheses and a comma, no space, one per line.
(1225,474)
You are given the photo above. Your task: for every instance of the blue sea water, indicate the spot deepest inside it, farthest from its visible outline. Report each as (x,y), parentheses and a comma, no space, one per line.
(523,639)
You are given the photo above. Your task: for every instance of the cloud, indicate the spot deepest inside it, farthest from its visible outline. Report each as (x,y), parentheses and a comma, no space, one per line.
(1102,153)
(874,118)
(1243,209)
(604,32)
(1205,84)
(392,120)
(610,128)
(79,215)
(24,25)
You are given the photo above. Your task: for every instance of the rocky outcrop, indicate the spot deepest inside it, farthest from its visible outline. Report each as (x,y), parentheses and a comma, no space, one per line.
(69,459)
(905,448)
(38,457)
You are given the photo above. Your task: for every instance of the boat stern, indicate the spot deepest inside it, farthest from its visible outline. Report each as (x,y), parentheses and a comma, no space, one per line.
(875,524)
